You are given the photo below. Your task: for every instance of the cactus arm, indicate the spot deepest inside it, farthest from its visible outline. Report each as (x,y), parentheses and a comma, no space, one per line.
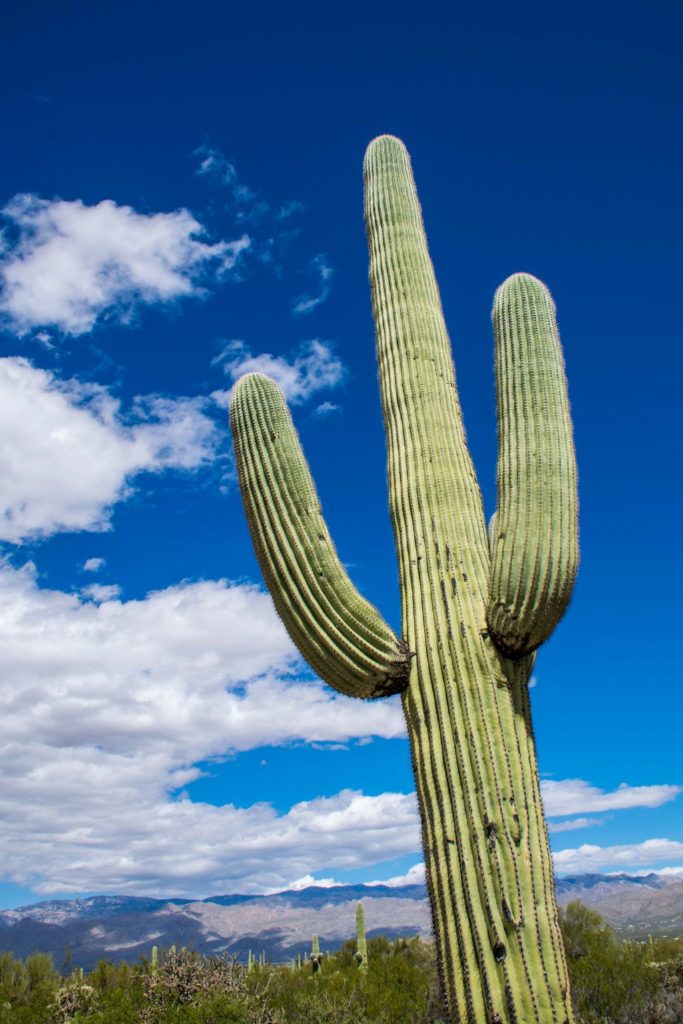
(341,635)
(535,543)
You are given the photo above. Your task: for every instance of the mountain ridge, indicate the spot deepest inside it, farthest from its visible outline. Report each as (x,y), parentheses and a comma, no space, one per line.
(120,927)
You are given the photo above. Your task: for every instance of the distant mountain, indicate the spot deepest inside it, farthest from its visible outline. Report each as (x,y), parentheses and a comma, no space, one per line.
(281,925)
(635,906)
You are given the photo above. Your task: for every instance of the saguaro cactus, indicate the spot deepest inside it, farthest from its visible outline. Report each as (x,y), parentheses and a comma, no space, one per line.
(474,608)
(361,944)
(316,955)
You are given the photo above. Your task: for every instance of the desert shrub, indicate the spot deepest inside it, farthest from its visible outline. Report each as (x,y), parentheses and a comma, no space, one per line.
(74,1000)
(27,990)
(189,989)
(612,981)
(398,988)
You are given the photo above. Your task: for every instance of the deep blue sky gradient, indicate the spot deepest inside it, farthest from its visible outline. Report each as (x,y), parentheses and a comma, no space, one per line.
(544,138)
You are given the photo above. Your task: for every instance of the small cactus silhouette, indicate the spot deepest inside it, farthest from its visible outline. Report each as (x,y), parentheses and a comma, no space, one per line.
(316,956)
(361,956)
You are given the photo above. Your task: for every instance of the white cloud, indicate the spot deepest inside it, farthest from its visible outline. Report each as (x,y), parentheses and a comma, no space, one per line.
(93,564)
(673,872)
(574,796)
(307,880)
(323,271)
(414,876)
(108,708)
(213,164)
(71,265)
(325,409)
(67,453)
(573,823)
(626,857)
(313,368)
(100,592)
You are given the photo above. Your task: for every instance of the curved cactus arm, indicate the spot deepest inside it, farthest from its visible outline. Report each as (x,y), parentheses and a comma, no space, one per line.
(340,634)
(534,546)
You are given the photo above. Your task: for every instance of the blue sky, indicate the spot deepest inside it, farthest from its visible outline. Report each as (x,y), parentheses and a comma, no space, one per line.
(182,200)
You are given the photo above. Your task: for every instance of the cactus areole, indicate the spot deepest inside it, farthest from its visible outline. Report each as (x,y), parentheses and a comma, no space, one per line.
(475,607)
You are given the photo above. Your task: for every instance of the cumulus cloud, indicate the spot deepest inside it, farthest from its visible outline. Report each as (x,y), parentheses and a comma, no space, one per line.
(70,265)
(93,564)
(307,880)
(321,269)
(416,875)
(101,591)
(313,368)
(573,823)
(109,707)
(67,453)
(575,796)
(325,409)
(626,857)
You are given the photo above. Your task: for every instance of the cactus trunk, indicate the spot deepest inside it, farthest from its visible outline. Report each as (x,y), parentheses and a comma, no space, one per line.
(488,863)
(361,943)
(471,622)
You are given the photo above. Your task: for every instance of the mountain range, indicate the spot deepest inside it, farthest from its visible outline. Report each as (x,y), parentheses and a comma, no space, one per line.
(83,931)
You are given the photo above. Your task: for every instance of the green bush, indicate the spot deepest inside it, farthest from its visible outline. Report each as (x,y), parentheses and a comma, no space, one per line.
(613,982)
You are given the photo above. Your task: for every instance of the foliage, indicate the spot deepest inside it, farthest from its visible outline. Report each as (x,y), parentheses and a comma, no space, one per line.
(399,987)
(27,990)
(616,982)
(613,982)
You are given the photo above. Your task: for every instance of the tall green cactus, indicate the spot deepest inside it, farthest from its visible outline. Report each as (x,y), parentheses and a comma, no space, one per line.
(474,608)
(316,956)
(361,944)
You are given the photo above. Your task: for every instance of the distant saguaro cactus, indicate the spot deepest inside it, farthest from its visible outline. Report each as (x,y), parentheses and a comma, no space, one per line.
(474,608)
(316,955)
(361,944)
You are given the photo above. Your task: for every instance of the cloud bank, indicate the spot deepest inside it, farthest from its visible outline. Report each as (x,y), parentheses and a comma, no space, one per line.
(625,857)
(313,368)
(107,708)
(70,265)
(67,453)
(574,796)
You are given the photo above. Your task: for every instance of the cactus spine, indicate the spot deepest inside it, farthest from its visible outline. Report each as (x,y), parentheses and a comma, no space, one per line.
(361,944)
(474,609)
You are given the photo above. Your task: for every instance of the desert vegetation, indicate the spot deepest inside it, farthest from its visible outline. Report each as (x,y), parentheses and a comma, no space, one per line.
(613,982)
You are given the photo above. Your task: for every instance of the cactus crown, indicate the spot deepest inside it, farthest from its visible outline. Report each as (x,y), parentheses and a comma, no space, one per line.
(474,608)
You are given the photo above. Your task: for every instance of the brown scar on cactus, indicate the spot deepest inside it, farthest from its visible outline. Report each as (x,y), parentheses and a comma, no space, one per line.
(464,690)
